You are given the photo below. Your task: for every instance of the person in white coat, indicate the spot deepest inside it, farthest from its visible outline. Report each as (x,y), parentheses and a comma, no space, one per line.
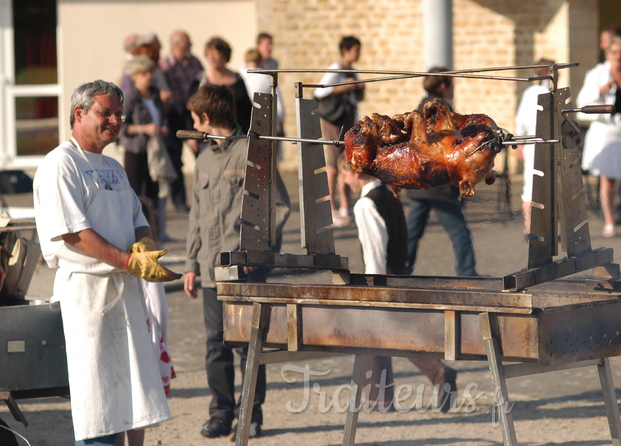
(602,142)
(88,221)
(526,124)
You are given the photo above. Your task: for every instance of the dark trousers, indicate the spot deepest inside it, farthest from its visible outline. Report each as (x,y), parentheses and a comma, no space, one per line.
(137,169)
(220,369)
(175,150)
(452,220)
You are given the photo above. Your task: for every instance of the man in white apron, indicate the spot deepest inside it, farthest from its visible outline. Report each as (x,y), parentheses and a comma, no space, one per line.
(89,220)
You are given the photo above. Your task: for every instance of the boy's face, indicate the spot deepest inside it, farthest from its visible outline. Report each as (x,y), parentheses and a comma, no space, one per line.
(353,54)
(351,180)
(200,126)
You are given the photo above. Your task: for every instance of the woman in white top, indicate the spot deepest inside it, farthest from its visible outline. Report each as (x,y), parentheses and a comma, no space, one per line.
(602,143)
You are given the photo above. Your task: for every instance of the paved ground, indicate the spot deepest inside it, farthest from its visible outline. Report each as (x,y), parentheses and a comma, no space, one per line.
(559,408)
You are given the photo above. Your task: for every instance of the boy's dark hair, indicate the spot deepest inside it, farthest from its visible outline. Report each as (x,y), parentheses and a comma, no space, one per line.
(262,36)
(348,42)
(432,84)
(221,45)
(217,102)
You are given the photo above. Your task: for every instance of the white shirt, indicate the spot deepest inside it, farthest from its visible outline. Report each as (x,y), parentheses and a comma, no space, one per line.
(260,83)
(64,183)
(526,116)
(335,78)
(595,78)
(372,231)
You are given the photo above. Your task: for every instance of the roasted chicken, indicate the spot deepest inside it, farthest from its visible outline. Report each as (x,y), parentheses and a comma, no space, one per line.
(414,151)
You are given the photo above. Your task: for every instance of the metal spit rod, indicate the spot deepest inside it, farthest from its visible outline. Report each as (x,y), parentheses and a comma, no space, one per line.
(467,73)
(202,136)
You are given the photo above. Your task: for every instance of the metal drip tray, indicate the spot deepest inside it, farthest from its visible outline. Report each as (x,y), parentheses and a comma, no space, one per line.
(552,324)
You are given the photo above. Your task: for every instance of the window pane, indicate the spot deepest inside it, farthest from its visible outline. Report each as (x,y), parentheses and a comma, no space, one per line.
(34,25)
(36,125)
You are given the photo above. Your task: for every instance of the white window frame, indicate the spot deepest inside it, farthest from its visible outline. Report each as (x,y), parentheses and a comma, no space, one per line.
(9,92)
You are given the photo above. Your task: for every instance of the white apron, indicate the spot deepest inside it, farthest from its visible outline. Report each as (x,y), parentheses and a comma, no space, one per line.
(113,374)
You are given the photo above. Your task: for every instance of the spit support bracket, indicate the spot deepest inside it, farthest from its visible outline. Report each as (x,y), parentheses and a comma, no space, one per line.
(259,235)
(558,208)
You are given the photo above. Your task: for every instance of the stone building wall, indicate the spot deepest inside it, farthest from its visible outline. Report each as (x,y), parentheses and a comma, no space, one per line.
(487,33)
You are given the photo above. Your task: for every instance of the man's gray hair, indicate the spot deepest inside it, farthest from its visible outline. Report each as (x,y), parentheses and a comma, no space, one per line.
(83,95)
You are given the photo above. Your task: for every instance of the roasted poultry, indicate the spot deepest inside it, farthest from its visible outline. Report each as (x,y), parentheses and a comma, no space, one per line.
(414,151)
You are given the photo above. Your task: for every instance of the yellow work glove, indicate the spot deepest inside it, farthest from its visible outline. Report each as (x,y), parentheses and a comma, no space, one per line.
(143,245)
(145,265)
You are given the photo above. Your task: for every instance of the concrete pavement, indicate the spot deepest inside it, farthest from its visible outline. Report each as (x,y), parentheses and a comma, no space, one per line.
(555,408)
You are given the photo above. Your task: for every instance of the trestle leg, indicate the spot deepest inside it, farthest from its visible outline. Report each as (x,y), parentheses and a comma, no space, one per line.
(491,338)
(6,396)
(610,400)
(260,316)
(357,381)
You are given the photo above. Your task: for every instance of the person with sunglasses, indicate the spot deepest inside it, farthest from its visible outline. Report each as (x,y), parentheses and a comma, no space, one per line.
(93,232)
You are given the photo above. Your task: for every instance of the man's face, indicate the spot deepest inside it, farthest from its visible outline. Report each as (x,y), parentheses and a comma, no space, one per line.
(181,49)
(265,48)
(101,124)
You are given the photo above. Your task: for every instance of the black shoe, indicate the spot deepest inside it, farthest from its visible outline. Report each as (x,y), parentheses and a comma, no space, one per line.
(182,207)
(216,427)
(448,395)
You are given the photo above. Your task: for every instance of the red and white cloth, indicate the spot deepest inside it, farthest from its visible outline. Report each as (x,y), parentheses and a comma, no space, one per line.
(157,320)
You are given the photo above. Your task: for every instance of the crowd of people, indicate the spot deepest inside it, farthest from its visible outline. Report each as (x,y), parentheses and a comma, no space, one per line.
(100,228)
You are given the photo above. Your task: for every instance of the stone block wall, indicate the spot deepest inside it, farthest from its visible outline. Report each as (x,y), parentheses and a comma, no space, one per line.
(487,33)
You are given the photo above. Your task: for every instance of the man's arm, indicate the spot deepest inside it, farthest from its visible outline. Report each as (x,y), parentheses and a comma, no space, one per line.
(92,244)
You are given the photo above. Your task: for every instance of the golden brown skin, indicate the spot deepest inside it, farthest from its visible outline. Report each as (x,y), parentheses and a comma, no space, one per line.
(414,151)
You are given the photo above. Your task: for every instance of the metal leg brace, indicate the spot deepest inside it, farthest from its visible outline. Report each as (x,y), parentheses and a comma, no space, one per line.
(357,381)
(499,374)
(491,338)
(260,317)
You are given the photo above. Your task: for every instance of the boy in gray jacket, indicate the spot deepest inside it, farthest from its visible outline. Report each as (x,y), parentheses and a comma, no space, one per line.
(214,227)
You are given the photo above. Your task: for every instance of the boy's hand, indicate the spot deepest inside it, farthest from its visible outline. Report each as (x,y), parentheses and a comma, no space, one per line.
(189,285)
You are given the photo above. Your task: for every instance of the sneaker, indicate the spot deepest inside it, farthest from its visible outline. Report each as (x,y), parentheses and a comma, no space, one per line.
(609,231)
(215,428)
(340,221)
(255,431)
(448,395)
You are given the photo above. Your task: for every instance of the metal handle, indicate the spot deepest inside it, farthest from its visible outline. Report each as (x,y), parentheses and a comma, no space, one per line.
(592,109)
(598,109)
(192,134)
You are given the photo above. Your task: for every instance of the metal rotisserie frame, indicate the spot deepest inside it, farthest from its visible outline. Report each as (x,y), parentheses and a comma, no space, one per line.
(529,317)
